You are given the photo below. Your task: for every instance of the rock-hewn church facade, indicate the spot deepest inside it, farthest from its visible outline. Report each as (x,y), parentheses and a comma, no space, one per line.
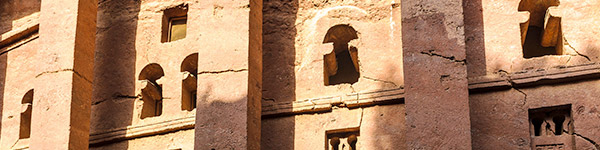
(299,74)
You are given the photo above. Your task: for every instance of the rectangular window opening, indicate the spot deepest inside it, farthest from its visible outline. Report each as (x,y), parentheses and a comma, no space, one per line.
(174,23)
(177,28)
(551,127)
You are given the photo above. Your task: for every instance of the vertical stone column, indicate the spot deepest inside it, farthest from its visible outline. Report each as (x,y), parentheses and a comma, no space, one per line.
(228,110)
(61,113)
(437,96)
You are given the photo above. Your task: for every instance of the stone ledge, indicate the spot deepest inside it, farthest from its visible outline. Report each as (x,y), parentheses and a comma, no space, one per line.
(536,77)
(142,130)
(325,104)
(16,35)
(355,100)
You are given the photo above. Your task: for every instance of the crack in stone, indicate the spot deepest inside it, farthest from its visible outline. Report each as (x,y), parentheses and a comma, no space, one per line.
(268,99)
(127,96)
(117,97)
(98,102)
(550,128)
(379,80)
(589,140)
(586,57)
(64,70)
(596,145)
(513,85)
(362,112)
(444,77)
(222,71)
(451,58)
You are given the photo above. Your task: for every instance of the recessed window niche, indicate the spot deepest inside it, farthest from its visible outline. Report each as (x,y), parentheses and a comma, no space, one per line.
(174,24)
(342,139)
(542,34)
(151,90)
(189,68)
(551,127)
(27,106)
(341,65)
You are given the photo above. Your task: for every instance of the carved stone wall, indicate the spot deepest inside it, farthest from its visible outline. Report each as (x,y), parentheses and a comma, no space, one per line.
(335,73)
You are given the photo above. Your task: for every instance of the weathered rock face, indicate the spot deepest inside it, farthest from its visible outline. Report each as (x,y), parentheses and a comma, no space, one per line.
(350,74)
(305,71)
(20,83)
(18,20)
(495,26)
(497,32)
(298,35)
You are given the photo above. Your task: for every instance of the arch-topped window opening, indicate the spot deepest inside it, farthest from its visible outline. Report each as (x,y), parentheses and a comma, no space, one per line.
(541,35)
(27,106)
(151,91)
(341,65)
(558,124)
(189,67)
(537,126)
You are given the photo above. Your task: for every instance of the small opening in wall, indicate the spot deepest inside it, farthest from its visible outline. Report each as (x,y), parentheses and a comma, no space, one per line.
(549,125)
(541,35)
(335,143)
(151,90)
(342,139)
(532,47)
(558,124)
(551,120)
(27,106)
(352,139)
(189,68)
(537,126)
(174,26)
(341,65)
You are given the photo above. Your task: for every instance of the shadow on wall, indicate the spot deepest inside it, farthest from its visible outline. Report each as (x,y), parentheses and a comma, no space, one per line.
(114,80)
(384,126)
(228,130)
(11,10)
(474,41)
(279,78)
(3,64)
(475,49)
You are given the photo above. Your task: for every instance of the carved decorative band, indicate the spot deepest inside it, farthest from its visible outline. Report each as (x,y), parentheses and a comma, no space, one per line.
(354,100)
(142,130)
(536,77)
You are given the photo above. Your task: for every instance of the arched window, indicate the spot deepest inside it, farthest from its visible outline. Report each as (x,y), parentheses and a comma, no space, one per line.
(341,65)
(542,34)
(189,68)
(27,106)
(151,91)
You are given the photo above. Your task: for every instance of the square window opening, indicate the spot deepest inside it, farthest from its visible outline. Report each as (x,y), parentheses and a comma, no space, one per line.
(174,26)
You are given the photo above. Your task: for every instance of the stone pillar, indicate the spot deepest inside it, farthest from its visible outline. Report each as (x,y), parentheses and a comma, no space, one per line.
(437,96)
(62,99)
(228,109)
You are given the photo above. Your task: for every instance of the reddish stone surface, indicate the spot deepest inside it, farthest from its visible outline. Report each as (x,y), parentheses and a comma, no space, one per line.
(468,83)
(64,77)
(437,101)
